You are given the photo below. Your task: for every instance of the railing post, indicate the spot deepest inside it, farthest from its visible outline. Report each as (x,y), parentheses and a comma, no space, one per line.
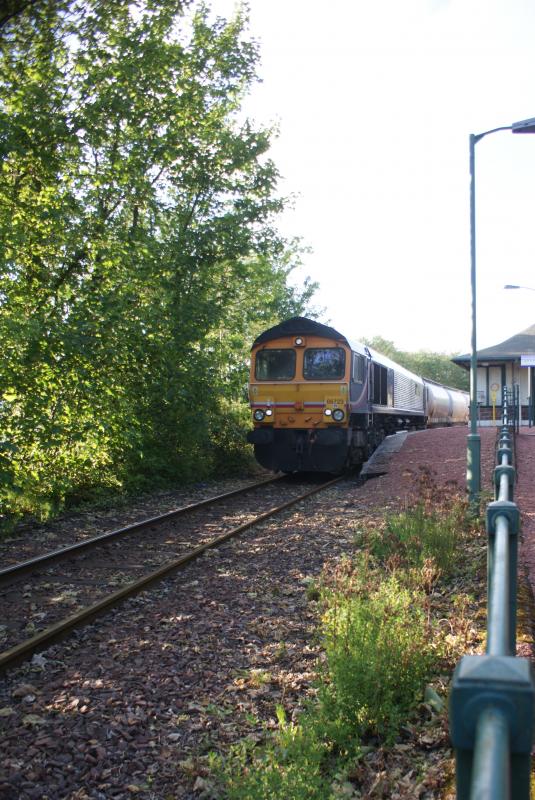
(492,706)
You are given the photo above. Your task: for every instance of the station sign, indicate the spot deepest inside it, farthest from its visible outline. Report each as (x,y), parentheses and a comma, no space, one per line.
(527,360)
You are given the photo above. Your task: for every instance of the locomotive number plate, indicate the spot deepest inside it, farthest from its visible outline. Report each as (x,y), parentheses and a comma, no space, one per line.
(334,401)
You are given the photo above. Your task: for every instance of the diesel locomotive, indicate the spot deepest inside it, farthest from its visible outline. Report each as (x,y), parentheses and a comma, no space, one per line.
(321,402)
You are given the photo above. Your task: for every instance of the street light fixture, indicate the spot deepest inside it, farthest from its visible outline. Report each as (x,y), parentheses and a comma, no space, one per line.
(514,286)
(473,454)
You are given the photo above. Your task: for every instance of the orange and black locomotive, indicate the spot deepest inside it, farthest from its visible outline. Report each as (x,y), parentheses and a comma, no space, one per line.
(320,402)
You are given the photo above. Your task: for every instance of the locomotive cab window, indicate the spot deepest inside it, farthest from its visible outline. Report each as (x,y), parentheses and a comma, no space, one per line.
(358,368)
(275,365)
(324,363)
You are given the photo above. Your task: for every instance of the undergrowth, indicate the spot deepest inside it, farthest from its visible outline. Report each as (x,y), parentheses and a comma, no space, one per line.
(382,642)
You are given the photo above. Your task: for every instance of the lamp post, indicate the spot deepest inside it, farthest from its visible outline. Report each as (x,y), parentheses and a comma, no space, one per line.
(473,454)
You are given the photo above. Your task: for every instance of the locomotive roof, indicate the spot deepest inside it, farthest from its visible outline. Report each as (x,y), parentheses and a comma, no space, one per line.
(299,326)
(302,326)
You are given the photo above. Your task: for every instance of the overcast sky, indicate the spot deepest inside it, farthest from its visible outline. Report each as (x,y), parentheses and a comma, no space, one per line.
(375,101)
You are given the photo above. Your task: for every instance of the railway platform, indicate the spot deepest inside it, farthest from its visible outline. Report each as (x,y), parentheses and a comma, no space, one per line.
(525,497)
(397,467)
(438,454)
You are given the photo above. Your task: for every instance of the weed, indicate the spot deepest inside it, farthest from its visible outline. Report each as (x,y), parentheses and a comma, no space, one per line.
(378,656)
(281,652)
(418,537)
(259,677)
(218,711)
(288,769)
(312,591)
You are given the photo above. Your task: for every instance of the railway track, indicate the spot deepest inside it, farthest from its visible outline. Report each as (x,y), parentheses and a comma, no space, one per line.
(15,571)
(128,560)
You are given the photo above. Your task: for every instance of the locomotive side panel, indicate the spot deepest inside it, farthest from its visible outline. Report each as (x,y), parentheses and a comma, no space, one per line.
(408,393)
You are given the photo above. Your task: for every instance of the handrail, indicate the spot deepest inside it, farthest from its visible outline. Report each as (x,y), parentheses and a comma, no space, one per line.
(493,696)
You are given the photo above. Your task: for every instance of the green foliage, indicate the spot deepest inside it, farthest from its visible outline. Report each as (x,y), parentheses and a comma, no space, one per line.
(378,654)
(434,366)
(138,253)
(417,535)
(292,768)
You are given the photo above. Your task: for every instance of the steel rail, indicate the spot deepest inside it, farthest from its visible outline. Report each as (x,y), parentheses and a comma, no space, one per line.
(24,567)
(19,653)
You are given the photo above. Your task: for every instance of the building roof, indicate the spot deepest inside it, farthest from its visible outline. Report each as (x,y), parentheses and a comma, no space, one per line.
(522,343)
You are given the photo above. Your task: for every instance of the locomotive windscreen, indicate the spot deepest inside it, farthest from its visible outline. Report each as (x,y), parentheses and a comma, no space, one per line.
(275,365)
(324,363)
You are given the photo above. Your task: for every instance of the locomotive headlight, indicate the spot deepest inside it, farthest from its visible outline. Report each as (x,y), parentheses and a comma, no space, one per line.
(269,412)
(338,415)
(259,414)
(327,412)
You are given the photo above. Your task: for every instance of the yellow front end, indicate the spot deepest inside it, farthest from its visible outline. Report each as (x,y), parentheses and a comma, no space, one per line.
(299,390)
(300,402)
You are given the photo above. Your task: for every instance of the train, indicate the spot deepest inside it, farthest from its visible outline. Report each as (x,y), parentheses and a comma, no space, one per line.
(321,402)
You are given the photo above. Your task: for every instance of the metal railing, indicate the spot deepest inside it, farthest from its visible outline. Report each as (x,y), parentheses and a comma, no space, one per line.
(511,410)
(492,698)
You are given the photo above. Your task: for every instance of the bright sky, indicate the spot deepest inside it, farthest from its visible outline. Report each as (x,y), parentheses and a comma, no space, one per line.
(375,100)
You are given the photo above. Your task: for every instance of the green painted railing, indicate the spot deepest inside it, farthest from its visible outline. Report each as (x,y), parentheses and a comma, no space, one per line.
(492,698)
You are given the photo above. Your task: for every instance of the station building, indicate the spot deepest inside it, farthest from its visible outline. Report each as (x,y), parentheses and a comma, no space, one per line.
(510,363)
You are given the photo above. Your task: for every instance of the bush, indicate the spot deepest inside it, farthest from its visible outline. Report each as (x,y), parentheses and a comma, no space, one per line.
(378,655)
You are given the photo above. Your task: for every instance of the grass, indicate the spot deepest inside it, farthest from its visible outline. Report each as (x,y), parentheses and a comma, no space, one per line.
(381,624)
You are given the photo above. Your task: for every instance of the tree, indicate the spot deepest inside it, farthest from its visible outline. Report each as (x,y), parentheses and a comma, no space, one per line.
(137,222)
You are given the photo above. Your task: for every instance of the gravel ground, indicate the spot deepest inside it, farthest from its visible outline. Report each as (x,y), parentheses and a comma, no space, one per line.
(129,706)
(440,451)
